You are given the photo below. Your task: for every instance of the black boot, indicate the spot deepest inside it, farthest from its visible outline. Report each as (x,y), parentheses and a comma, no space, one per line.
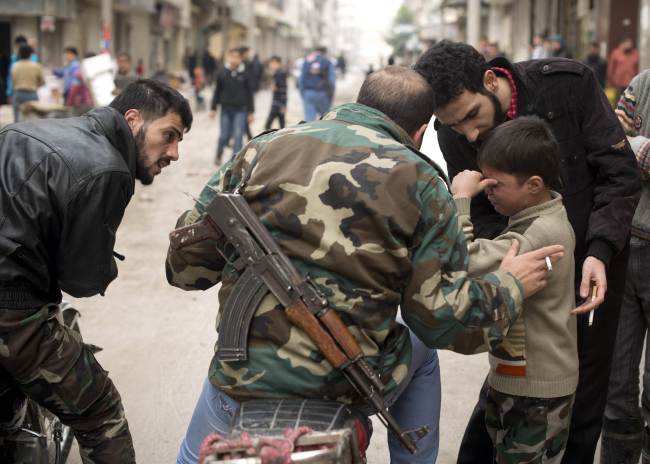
(621,441)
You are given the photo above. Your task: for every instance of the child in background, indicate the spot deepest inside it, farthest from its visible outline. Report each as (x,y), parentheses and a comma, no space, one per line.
(279,102)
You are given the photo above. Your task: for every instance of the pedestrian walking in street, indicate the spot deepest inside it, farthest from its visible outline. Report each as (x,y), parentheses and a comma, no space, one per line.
(534,369)
(404,249)
(537,49)
(623,66)
(69,73)
(597,64)
(626,435)
(64,187)
(125,75)
(599,183)
(234,93)
(27,77)
(19,41)
(558,47)
(279,98)
(254,70)
(317,83)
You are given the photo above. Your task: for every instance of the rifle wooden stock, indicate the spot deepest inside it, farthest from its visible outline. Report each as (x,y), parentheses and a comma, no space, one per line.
(194,233)
(300,316)
(341,334)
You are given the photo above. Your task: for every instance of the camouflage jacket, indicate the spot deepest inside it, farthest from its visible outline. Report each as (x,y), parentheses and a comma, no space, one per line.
(372,222)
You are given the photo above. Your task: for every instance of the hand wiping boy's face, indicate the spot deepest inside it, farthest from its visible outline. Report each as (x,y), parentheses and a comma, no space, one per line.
(507,193)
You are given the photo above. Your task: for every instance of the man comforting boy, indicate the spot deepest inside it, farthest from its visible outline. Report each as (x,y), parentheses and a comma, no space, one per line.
(534,369)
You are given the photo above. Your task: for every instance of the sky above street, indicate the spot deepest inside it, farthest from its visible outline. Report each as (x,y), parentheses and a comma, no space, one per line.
(374,18)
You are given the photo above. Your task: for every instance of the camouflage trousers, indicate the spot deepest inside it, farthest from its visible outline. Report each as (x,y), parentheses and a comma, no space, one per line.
(528,430)
(49,363)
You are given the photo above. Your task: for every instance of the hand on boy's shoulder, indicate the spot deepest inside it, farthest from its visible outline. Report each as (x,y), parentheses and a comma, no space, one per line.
(468,184)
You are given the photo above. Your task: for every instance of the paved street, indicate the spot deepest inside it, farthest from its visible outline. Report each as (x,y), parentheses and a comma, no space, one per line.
(158,340)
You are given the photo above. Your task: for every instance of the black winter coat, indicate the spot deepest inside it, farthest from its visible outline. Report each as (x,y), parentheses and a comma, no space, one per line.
(64,186)
(600,177)
(233,90)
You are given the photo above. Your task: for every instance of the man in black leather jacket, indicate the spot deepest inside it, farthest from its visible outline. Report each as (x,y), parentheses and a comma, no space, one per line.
(600,183)
(64,186)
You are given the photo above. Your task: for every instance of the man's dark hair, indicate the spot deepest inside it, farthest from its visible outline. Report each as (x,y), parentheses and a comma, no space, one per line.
(25,52)
(276,58)
(243,49)
(450,68)
(236,50)
(20,40)
(72,50)
(523,147)
(401,94)
(321,49)
(154,100)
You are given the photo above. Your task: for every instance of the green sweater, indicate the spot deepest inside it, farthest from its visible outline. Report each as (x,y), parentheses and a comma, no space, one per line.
(538,357)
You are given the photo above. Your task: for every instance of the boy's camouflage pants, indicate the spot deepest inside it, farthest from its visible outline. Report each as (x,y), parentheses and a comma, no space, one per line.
(528,430)
(49,363)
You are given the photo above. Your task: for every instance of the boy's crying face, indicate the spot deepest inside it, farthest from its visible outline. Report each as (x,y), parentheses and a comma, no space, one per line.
(511,194)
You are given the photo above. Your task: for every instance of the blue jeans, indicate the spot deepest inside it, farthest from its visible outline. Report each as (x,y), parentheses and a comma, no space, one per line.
(231,124)
(20,97)
(417,405)
(316,103)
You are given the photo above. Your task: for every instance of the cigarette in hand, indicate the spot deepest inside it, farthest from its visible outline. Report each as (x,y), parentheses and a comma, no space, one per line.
(594,292)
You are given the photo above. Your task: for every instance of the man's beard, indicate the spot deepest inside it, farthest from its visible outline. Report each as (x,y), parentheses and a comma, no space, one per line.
(141,171)
(499,115)
(498,118)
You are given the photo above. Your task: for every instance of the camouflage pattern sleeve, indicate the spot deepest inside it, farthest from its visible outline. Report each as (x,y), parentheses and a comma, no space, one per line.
(442,304)
(198,266)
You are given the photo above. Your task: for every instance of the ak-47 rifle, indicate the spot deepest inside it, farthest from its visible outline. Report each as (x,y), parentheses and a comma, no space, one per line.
(266,268)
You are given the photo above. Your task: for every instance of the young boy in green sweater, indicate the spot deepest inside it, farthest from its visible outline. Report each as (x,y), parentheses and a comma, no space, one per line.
(534,369)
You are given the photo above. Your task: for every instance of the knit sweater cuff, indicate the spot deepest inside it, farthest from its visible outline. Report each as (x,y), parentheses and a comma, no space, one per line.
(463,205)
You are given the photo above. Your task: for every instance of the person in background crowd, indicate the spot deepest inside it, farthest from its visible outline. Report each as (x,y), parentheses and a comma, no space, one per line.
(538,51)
(125,74)
(209,66)
(69,72)
(234,93)
(139,68)
(625,427)
(27,77)
(79,97)
(492,51)
(558,49)
(254,70)
(317,83)
(198,82)
(279,99)
(599,182)
(597,63)
(18,42)
(623,66)
(342,64)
